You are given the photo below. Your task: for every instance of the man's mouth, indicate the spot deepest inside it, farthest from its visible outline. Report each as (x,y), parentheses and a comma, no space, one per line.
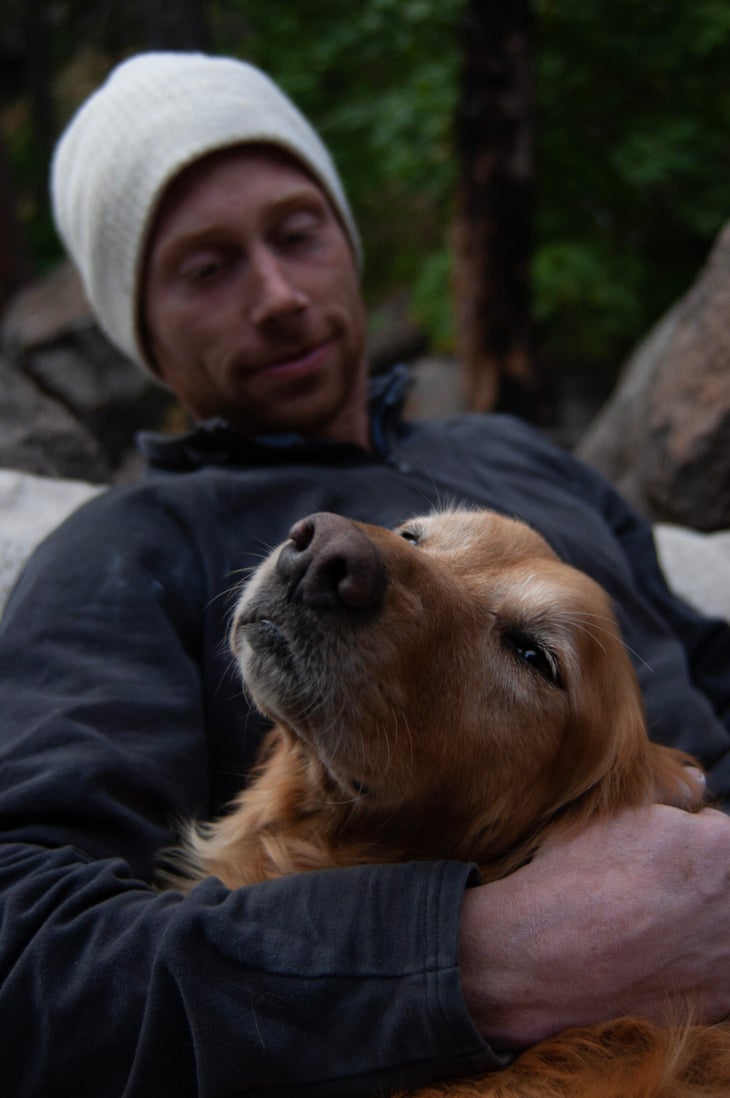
(298,360)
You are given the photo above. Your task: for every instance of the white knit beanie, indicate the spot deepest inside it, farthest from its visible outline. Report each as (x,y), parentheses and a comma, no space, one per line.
(156,114)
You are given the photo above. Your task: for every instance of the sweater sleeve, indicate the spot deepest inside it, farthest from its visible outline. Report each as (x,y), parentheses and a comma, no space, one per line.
(339,982)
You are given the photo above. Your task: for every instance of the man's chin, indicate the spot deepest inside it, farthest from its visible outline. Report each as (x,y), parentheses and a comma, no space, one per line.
(304,410)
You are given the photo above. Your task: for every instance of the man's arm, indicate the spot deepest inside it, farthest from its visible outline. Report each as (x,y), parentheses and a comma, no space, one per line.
(629,916)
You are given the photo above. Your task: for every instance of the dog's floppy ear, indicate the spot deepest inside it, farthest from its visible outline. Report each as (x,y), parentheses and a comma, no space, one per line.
(612,761)
(607,761)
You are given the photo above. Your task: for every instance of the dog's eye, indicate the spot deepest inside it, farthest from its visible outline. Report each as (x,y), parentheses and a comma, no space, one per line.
(411,534)
(535,655)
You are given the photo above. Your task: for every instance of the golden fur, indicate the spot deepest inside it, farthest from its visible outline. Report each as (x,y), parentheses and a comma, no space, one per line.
(449,689)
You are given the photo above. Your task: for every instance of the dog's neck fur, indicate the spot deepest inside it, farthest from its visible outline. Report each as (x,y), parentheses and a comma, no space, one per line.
(293,818)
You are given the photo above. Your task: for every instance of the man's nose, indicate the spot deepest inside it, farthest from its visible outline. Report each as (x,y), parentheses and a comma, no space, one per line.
(274,296)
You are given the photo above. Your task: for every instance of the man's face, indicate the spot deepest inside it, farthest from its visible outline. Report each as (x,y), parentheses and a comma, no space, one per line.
(251,304)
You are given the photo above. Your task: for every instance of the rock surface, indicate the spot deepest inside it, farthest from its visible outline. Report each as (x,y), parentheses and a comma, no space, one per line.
(663,437)
(71,403)
(31,506)
(40,435)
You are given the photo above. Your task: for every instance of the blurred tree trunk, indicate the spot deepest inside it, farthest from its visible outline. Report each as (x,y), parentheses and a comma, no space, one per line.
(35,72)
(493,238)
(39,81)
(14,261)
(176,24)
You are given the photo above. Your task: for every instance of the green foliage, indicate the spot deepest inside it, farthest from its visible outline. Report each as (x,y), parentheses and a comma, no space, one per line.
(590,293)
(431,302)
(378,79)
(632,163)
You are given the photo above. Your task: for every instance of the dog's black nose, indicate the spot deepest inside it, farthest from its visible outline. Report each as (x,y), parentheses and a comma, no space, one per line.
(330,564)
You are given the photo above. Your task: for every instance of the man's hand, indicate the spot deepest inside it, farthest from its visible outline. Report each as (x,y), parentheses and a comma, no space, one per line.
(629,916)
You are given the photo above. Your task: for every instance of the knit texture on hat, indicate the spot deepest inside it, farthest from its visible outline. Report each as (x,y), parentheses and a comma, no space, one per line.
(156,114)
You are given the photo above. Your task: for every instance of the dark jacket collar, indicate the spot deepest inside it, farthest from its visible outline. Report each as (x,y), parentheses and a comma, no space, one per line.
(217,442)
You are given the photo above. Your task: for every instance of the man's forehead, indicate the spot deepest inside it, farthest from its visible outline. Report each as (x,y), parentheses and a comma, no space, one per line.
(258,158)
(252,164)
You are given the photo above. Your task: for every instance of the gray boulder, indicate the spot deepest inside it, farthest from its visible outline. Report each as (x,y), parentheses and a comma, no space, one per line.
(39,435)
(664,436)
(73,397)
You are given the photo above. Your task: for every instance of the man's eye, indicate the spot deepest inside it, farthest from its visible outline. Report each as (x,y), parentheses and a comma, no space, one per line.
(298,230)
(207,271)
(198,270)
(292,239)
(534,655)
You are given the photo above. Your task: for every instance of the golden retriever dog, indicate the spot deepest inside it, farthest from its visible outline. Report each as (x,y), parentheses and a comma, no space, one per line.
(449,689)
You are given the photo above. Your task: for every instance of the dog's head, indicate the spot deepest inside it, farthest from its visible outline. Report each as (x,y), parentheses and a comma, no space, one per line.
(460,686)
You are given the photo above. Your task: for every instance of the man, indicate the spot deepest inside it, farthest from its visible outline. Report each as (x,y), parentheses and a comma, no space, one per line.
(219,251)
